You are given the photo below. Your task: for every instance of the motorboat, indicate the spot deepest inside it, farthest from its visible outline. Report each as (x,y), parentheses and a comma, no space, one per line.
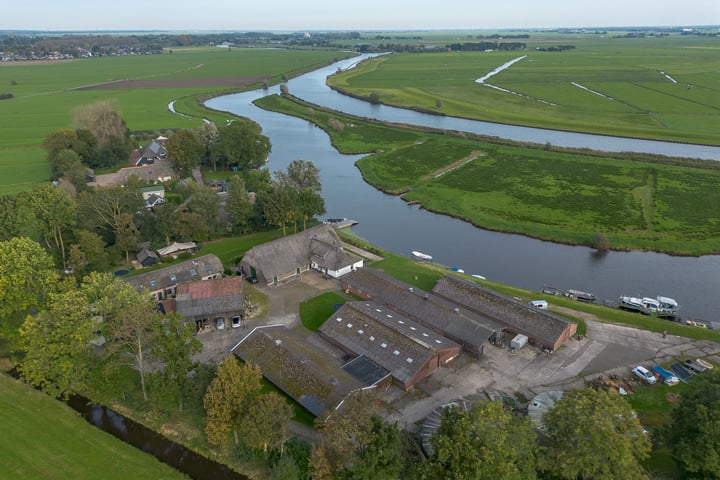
(422,256)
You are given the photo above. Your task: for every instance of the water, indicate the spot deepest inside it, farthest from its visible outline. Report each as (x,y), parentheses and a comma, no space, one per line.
(391,224)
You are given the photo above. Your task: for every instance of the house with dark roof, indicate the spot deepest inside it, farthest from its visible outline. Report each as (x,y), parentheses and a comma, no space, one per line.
(446,318)
(295,366)
(215,304)
(406,349)
(543,329)
(162,283)
(318,248)
(147,258)
(152,152)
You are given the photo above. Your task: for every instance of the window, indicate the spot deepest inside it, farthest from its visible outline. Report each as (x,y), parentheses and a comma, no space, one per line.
(372,339)
(339,319)
(425,334)
(384,345)
(361,331)
(401,322)
(396,352)
(173,278)
(409,360)
(438,341)
(193,272)
(153,283)
(413,328)
(349,325)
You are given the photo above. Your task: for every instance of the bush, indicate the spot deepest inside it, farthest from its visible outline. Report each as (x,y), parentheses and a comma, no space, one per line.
(375,97)
(601,241)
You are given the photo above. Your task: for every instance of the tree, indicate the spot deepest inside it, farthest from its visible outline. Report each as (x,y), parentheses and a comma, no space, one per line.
(695,428)
(238,204)
(485,442)
(301,174)
(87,253)
(309,204)
(208,135)
(228,397)
(67,164)
(265,423)
(593,434)
(58,345)
(320,466)
(600,241)
(381,458)
(204,201)
(107,127)
(126,234)
(186,151)
(129,329)
(27,278)
(102,209)
(241,145)
(9,222)
(53,212)
(284,90)
(174,345)
(375,97)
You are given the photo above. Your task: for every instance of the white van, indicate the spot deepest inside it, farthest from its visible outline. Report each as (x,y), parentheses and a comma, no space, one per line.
(541,304)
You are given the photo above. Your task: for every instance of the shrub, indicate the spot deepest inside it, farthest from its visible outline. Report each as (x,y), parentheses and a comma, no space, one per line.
(601,241)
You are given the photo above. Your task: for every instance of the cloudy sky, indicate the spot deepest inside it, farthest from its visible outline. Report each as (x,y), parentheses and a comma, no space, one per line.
(292,15)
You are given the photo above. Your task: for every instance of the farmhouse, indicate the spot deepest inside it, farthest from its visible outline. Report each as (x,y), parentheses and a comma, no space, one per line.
(150,153)
(409,351)
(153,195)
(448,319)
(160,171)
(213,304)
(162,283)
(318,247)
(542,328)
(295,366)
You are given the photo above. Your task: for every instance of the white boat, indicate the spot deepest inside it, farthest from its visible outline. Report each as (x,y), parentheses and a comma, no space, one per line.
(421,256)
(478,276)
(457,269)
(659,306)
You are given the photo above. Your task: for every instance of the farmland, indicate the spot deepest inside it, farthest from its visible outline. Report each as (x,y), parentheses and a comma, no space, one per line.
(46,93)
(650,203)
(660,87)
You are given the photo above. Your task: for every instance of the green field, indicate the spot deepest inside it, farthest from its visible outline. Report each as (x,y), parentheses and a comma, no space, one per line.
(46,93)
(42,438)
(651,203)
(663,88)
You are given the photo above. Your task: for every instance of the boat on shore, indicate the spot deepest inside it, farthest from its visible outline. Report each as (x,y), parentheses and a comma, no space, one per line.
(663,307)
(421,256)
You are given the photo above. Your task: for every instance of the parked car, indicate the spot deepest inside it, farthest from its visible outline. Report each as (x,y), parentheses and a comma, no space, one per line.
(644,374)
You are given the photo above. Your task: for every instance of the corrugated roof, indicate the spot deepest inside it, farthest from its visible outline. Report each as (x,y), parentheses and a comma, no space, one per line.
(456,322)
(394,341)
(188,271)
(538,323)
(210,297)
(294,366)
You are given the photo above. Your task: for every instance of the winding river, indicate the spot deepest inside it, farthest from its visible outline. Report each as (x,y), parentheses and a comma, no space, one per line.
(391,224)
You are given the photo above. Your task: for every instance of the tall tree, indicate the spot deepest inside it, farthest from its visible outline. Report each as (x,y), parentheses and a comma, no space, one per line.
(107,126)
(101,209)
(265,423)
(309,205)
(174,345)
(57,344)
(208,135)
(241,145)
(695,428)
(301,174)
(9,222)
(238,204)
(88,253)
(53,212)
(204,201)
(485,442)
(602,433)
(228,397)
(129,330)
(27,278)
(126,234)
(381,459)
(186,151)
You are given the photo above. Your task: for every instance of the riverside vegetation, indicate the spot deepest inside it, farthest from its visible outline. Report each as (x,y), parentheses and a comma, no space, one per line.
(633,201)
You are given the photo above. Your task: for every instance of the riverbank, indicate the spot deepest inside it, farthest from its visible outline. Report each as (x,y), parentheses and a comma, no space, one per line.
(570,196)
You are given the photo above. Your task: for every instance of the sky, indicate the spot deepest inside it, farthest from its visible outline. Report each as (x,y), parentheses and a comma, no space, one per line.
(308,15)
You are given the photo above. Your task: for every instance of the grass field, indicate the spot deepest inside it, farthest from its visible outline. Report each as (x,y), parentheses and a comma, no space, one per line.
(46,93)
(663,87)
(658,205)
(42,438)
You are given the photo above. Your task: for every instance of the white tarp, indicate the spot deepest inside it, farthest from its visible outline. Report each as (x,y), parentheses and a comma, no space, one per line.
(177,247)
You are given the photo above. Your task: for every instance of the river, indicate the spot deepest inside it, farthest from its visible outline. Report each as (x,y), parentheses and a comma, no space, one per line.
(391,224)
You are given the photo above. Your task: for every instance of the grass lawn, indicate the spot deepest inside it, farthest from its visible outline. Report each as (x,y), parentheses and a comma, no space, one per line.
(315,311)
(660,87)
(561,195)
(43,438)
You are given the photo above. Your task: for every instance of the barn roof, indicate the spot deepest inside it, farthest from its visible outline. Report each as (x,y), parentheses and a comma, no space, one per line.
(208,297)
(182,272)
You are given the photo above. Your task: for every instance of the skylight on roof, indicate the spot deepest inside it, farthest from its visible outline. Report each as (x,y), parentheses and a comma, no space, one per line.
(413,328)
(389,316)
(153,283)
(349,325)
(384,345)
(396,352)
(409,360)
(372,339)
(438,341)
(401,322)
(193,272)
(361,331)
(378,310)
(339,319)
(208,267)
(425,334)
(173,277)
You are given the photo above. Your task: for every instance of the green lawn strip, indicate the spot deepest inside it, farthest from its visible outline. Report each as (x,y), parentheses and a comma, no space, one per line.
(639,100)
(640,202)
(43,438)
(315,311)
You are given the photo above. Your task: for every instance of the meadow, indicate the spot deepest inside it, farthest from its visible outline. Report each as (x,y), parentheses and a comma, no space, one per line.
(653,203)
(43,438)
(661,87)
(45,95)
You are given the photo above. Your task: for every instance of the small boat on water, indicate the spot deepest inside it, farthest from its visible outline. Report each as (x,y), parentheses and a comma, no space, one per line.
(478,276)
(457,269)
(421,256)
